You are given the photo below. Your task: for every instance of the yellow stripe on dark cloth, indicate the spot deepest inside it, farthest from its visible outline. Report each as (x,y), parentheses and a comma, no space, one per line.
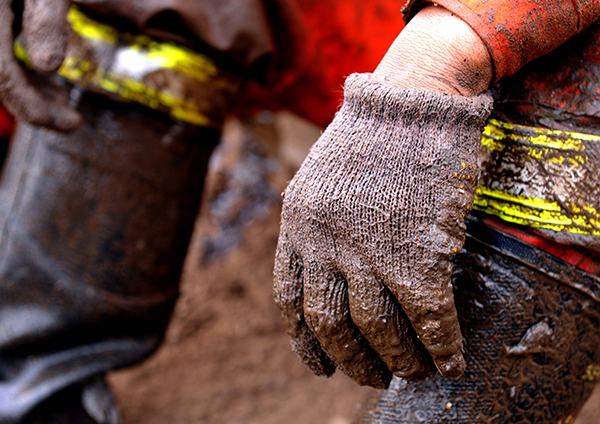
(541,143)
(533,176)
(132,74)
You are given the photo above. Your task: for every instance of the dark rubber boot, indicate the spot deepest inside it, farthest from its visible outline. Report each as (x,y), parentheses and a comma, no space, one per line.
(530,322)
(94,229)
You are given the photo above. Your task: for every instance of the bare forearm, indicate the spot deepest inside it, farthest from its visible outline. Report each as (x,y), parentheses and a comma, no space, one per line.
(516,32)
(437,51)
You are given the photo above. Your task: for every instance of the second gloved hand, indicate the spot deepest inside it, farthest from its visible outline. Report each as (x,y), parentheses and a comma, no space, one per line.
(369,225)
(44,33)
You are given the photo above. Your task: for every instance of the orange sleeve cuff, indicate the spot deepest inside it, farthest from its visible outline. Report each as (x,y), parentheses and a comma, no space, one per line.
(519,31)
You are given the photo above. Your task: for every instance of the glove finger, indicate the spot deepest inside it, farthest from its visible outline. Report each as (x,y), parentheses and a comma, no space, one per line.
(288,295)
(307,347)
(328,316)
(45,33)
(430,308)
(384,325)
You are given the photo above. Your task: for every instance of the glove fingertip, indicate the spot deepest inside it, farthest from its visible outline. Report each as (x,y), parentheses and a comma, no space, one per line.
(415,369)
(319,364)
(452,366)
(45,59)
(307,347)
(45,33)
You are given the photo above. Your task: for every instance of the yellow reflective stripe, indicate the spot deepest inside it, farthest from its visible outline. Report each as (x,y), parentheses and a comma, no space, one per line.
(85,73)
(538,143)
(554,139)
(90,29)
(520,208)
(513,198)
(165,55)
(549,221)
(169,56)
(537,213)
(162,54)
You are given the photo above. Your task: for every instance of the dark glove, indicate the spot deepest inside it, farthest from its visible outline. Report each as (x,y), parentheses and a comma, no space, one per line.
(369,225)
(44,34)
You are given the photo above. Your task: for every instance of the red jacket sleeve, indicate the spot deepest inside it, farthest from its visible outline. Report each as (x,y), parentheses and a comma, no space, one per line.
(519,31)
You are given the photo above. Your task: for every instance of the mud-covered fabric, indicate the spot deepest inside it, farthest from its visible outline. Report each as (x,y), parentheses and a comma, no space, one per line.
(94,229)
(559,91)
(531,341)
(369,224)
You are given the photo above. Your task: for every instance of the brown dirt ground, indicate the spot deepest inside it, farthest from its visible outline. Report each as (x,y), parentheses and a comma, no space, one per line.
(226,357)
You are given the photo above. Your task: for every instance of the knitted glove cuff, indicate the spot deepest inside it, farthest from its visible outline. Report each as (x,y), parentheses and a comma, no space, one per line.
(368,100)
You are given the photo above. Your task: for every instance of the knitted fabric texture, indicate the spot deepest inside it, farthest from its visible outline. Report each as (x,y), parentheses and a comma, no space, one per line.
(369,224)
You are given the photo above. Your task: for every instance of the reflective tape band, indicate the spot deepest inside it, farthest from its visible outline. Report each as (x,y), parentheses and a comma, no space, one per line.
(164,55)
(535,177)
(90,29)
(160,75)
(545,214)
(539,143)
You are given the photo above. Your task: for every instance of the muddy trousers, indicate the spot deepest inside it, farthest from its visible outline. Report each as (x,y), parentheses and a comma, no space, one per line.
(94,228)
(532,343)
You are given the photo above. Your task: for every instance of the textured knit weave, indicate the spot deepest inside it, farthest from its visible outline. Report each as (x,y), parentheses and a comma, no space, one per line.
(369,224)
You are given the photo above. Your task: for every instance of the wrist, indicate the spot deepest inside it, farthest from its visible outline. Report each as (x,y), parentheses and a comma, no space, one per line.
(437,51)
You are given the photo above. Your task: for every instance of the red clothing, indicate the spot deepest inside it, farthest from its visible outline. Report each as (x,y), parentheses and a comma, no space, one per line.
(7,122)
(519,31)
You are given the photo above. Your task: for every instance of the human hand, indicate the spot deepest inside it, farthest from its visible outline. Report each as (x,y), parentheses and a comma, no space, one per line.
(368,228)
(44,35)
(376,212)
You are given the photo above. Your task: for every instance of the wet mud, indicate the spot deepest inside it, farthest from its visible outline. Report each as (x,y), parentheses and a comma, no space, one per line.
(224,363)
(227,358)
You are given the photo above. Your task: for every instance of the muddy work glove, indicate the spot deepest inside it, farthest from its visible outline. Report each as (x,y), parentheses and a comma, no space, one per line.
(369,225)
(44,33)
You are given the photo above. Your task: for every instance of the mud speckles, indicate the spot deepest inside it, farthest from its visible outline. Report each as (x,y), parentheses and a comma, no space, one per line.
(592,373)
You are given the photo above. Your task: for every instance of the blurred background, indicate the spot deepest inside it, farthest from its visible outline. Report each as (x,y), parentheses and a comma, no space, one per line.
(226,357)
